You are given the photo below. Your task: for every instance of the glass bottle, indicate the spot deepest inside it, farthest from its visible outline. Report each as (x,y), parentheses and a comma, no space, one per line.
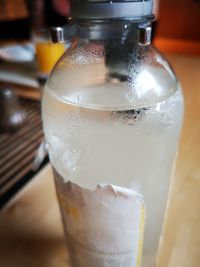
(112,112)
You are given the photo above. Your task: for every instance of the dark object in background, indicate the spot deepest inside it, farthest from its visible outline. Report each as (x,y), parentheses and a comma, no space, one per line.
(40,12)
(14,20)
(179,20)
(12,117)
(43,15)
(154,29)
(52,17)
(15,29)
(18,151)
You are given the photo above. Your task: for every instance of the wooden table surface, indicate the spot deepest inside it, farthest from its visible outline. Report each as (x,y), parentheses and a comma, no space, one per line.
(30,226)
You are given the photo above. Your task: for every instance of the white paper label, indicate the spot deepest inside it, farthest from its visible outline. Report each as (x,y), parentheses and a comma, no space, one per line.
(104,227)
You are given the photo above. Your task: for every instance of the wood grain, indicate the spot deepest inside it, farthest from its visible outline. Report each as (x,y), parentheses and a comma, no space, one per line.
(178,46)
(182,230)
(30,227)
(18,149)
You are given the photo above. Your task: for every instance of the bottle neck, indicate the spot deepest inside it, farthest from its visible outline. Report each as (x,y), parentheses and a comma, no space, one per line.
(121,30)
(113,29)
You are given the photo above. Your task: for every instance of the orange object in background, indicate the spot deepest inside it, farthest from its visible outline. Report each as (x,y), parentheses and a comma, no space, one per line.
(47,55)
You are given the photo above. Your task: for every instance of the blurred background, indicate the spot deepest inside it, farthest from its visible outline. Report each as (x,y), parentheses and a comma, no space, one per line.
(27,56)
(26,59)
(177,21)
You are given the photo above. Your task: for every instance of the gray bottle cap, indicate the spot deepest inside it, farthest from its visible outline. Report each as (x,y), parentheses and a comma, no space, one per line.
(91,9)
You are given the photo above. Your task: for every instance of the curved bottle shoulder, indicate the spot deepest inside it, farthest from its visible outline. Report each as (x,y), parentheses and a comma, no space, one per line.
(92,76)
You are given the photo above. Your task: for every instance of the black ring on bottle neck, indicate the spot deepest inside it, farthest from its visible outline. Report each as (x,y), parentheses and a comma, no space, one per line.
(108,29)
